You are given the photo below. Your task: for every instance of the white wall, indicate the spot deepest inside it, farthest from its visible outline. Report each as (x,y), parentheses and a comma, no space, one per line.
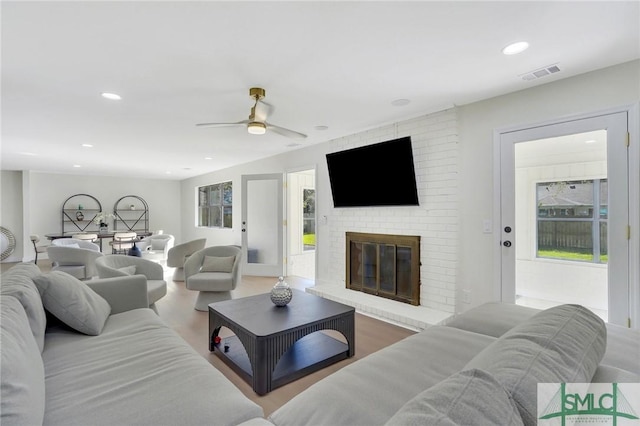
(435,147)
(11,212)
(47,192)
(454,160)
(599,90)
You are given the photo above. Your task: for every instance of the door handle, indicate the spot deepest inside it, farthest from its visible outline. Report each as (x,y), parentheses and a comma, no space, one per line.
(507,243)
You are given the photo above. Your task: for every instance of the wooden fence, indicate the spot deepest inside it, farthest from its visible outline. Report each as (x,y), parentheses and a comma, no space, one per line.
(569,236)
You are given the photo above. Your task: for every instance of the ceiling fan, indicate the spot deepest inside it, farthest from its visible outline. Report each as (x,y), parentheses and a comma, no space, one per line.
(257,122)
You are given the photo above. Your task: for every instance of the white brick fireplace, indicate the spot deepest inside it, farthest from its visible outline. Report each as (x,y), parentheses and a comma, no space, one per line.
(435,152)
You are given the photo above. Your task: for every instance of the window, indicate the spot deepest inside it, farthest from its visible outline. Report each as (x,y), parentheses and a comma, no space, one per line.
(309,219)
(215,205)
(572,220)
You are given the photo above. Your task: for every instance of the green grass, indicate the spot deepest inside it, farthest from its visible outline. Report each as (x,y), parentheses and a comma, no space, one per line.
(309,239)
(571,255)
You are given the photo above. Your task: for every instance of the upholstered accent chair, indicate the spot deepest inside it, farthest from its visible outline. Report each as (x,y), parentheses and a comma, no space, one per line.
(213,272)
(118,265)
(156,247)
(35,239)
(74,242)
(179,253)
(76,261)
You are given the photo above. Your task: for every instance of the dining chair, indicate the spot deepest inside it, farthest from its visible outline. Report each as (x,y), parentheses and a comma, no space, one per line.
(122,242)
(85,236)
(38,249)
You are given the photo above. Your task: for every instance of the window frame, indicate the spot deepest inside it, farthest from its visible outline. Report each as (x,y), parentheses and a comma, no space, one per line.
(596,219)
(311,219)
(214,205)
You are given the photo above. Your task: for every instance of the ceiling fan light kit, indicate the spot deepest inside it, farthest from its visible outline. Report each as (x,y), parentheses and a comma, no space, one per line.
(257,122)
(256,128)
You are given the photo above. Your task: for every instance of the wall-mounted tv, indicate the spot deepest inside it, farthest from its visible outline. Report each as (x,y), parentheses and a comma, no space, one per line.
(381,174)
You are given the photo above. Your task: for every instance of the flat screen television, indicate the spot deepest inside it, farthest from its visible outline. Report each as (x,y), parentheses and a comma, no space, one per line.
(380,174)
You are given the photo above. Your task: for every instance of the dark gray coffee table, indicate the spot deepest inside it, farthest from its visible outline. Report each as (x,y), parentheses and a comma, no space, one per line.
(274,345)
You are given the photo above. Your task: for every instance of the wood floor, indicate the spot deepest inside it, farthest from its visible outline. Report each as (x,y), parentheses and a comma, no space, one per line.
(176,309)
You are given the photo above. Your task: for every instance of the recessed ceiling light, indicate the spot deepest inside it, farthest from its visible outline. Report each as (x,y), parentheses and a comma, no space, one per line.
(77,166)
(590,141)
(167,172)
(400,102)
(515,48)
(208,158)
(87,145)
(112,96)
(321,127)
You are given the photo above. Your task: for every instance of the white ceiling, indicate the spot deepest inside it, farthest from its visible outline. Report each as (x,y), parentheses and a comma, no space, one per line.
(337,64)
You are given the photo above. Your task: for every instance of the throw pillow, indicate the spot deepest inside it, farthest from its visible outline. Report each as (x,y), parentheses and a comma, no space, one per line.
(471,397)
(561,344)
(72,245)
(129,270)
(73,302)
(217,264)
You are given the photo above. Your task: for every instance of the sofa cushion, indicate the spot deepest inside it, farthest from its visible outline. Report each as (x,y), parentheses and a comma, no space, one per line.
(371,390)
(22,392)
(465,398)
(18,282)
(493,319)
(217,264)
(129,270)
(73,302)
(141,366)
(561,344)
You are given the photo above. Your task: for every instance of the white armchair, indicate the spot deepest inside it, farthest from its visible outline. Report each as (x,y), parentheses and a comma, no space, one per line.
(79,262)
(180,253)
(74,242)
(213,272)
(156,247)
(118,265)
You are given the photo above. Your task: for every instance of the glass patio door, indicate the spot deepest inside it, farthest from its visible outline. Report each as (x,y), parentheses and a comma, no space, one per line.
(564,214)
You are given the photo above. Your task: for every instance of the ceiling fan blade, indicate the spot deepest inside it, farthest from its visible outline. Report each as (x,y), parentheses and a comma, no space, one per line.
(263,110)
(286,132)
(239,123)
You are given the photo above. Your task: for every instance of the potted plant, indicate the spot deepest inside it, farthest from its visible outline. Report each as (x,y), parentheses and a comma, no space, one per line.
(101,220)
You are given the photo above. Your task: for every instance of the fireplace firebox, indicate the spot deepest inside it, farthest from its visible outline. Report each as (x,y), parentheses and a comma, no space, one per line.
(384,265)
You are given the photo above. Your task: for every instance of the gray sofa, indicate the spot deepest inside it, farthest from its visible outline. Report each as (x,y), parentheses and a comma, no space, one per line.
(134,370)
(482,368)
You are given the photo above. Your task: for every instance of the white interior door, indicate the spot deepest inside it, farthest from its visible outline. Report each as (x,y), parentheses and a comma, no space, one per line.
(541,170)
(262,225)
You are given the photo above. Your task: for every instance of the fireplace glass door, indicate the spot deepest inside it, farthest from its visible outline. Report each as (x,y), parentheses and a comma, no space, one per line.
(384,265)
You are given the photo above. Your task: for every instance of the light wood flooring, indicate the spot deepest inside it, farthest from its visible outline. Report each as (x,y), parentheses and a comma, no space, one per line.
(176,309)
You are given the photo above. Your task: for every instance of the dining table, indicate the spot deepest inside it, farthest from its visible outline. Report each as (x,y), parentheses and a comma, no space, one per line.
(100,235)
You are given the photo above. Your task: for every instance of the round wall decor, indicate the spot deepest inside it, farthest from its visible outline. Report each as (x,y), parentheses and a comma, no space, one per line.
(7,242)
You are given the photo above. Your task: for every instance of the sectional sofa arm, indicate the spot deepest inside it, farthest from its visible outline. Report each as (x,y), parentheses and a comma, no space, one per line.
(122,293)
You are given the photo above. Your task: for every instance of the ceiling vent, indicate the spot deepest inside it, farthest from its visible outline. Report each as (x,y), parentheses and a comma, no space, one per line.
(539,73)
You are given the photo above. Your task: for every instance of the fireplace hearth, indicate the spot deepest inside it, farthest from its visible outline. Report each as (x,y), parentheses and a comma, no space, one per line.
(384,265)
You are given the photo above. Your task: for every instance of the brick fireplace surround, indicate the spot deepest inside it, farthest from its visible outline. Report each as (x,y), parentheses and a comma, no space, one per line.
(382,280)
